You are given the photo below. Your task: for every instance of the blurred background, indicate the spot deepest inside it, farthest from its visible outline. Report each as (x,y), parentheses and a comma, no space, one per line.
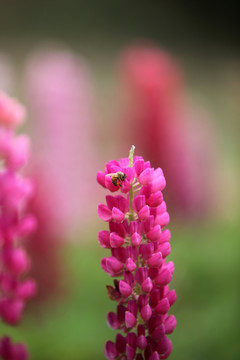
(95,78)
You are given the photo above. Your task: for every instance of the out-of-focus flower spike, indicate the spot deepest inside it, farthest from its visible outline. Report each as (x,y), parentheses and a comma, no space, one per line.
(59,94)
(164,127)
(15,223)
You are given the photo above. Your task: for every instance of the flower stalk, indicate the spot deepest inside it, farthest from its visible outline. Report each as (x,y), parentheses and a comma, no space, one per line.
(131,194)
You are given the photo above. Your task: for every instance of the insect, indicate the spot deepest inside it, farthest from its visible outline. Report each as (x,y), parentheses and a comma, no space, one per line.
(117,178)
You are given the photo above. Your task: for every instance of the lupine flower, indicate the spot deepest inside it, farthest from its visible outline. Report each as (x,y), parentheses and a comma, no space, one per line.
(15,223)
(139,247)
(59,94)
(59,97)
(166,129)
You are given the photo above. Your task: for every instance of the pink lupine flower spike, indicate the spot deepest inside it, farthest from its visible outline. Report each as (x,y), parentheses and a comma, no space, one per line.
(139,247)
(15,224)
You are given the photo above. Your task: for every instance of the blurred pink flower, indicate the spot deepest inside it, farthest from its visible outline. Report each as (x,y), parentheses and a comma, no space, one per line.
(15,223)
(59,96)
(12,113)
(10,351)
(60,100)
(165,128)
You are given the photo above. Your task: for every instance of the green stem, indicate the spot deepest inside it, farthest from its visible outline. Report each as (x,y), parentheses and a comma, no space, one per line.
(131,194)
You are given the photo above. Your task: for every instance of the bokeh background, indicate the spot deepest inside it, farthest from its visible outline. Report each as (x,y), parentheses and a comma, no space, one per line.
(64,60)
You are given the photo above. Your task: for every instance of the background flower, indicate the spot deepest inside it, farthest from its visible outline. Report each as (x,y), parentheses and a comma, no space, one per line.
(167,129)
(16,223)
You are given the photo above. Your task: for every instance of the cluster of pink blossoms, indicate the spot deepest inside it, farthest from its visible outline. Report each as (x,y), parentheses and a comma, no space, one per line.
(139,248)
(15,224)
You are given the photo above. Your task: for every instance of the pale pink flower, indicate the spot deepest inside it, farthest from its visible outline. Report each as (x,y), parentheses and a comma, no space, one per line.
(59,95)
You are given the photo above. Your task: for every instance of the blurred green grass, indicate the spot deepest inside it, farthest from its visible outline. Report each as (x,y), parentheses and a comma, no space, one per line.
(206,280)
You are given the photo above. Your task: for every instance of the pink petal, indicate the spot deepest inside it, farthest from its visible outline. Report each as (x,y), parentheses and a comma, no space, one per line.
(158,333)
(146,312)
(147,285)
(146,176)
(163,306)
(162,219)
(124,288)
(155,260)
(104,239)
(110,350)
(165,236)
(164,277)
(116,240)
(141,342)
(154,356)
(144,213)
(110,200)
(112,320)
(138,166)
(135,239)
(104,212)
(117,214)
(159,181)
(163,346)
(154,233)
(101,178)
(165,249)
(146,250)
(139,202)
(155,199)
(131,352)
(130,265)
(172,297)
(113,264)
(130,319)
(170,324)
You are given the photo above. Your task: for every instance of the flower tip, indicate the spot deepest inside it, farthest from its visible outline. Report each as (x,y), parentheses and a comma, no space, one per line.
(131,153)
